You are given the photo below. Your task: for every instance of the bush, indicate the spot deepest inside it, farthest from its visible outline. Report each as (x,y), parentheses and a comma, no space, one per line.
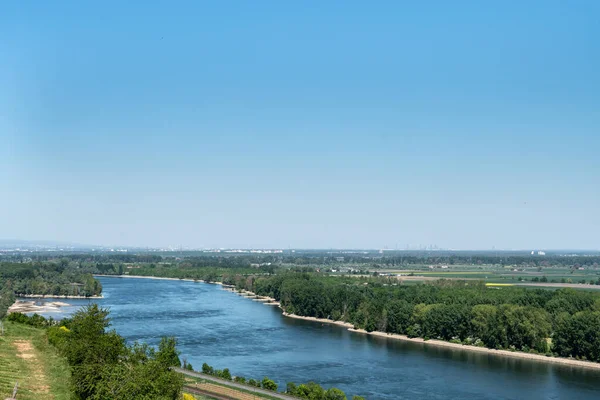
(334,394)
(225,374)
(207,369)
(35,320)
(269,384)
(291,388)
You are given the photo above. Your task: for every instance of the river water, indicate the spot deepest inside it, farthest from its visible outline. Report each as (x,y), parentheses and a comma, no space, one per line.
(254,340)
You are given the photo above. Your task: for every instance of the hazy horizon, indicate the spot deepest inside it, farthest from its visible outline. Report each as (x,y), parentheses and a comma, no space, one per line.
(415,248)
(315,125)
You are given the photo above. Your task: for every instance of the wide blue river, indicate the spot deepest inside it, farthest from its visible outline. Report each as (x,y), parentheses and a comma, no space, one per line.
(254,340)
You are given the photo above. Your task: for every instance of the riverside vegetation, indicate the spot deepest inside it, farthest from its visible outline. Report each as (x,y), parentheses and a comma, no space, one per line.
(563,322)
(53,278)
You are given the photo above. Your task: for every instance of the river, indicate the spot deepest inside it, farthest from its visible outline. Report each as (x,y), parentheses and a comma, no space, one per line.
(254,340)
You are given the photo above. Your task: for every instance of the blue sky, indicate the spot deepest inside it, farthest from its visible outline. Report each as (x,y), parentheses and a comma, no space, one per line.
(463,124)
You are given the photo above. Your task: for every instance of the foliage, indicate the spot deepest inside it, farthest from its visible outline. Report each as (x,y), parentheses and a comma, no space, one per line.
(47,278)
(7,298)
(34,320)
(268,384)
(462,311)
(103,367)
(311,390)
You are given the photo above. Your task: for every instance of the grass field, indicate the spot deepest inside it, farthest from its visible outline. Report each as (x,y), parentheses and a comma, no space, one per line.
(499,274)
(27,358)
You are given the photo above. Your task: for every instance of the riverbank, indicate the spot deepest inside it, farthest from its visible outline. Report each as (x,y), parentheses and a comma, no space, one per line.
(442,343)
(158,278)
(50,306)
(22,306)
(430,342)
(51,296)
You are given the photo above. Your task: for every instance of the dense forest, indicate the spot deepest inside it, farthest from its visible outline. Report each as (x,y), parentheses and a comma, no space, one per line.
(563,322)
(103,366)
(48,278)
(180,270)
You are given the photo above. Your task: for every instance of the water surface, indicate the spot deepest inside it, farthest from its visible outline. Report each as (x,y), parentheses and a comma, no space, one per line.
(254,340)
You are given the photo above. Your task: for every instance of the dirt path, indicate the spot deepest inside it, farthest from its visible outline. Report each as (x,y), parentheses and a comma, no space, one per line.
(38,383)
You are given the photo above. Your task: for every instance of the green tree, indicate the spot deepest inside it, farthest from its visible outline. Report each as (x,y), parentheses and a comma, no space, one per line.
(168,353)
(268,384)
(334,394)
(207,369)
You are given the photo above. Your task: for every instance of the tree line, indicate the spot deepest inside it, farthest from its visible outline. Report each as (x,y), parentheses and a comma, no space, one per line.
(47,278)
(563,322)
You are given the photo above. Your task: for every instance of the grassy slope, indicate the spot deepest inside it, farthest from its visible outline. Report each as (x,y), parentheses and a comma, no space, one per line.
(43,375)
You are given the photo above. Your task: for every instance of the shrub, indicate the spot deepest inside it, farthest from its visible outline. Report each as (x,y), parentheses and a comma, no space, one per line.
(225,374)
(207,369)
(269,384)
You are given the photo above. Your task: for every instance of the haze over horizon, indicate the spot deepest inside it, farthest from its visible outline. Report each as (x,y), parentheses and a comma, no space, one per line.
(313,125)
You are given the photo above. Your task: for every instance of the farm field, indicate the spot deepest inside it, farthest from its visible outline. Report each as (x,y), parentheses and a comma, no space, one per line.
(553,277)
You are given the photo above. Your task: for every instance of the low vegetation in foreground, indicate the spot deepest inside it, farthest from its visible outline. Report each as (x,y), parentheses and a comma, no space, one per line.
(80,358)
(96,362)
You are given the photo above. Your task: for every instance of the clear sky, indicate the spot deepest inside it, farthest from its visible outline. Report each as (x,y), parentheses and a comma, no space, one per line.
(465,124)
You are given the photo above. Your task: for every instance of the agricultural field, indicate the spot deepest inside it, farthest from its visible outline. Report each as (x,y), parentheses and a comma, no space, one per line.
(553,277)
(218,389)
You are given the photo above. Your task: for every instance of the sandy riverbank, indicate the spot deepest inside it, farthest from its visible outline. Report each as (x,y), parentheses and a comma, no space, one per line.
(433,342)
(51,296)
(24,306)
(159,278)
(441,343)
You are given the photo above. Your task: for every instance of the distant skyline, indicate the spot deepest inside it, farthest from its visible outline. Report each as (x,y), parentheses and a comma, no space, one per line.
(469,125)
